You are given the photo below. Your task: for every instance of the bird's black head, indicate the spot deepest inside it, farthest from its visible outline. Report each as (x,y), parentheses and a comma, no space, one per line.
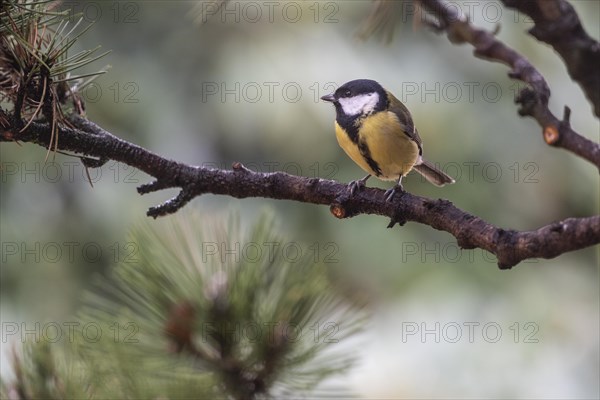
(358,97)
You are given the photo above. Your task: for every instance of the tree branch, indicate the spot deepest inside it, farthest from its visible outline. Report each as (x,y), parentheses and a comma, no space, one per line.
(509,246)
(557,24)
(533,99)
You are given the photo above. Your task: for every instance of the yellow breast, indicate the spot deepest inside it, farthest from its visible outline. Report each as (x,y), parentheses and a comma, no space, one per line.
(393,151)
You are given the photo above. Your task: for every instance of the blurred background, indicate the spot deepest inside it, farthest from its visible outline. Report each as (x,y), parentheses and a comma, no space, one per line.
(245,86)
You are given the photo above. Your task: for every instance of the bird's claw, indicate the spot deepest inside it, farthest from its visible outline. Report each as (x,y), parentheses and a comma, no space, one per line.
(389,194)
(356,185)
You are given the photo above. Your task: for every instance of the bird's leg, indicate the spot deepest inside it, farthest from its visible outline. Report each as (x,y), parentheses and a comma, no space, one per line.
(389,194)
(358,184)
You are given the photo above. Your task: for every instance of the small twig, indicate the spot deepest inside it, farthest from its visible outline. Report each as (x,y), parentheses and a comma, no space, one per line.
(557,24)
(533,99)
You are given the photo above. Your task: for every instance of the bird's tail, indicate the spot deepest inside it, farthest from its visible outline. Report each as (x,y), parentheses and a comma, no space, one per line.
(432,174)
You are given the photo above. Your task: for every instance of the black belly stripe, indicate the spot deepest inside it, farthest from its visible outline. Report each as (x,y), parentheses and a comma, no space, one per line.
(349,124)
(366,153)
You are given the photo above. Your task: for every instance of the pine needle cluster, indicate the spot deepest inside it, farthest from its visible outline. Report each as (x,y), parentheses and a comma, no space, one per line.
(37,71)
(202,309)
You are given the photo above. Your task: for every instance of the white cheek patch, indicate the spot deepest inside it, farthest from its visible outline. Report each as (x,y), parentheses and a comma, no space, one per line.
(358,105)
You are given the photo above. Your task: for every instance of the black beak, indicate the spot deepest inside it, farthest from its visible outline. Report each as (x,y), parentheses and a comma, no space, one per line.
(329,97)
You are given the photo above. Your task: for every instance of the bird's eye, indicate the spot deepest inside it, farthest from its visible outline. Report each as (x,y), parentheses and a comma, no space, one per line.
(347,93)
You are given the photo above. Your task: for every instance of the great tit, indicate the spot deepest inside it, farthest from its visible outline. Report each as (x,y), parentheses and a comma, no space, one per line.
(377,132)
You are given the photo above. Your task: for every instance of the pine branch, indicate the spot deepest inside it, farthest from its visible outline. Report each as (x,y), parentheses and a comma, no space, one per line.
(239,327)
(533,99)
(509,246)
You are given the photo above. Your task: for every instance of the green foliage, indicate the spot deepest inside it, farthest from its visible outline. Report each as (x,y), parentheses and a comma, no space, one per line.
(35,65)
(198,312)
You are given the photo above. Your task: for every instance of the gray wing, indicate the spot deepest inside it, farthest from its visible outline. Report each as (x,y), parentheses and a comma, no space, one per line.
(405,119)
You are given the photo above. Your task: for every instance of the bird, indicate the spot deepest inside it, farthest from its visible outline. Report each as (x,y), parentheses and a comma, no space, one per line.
(377,132)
